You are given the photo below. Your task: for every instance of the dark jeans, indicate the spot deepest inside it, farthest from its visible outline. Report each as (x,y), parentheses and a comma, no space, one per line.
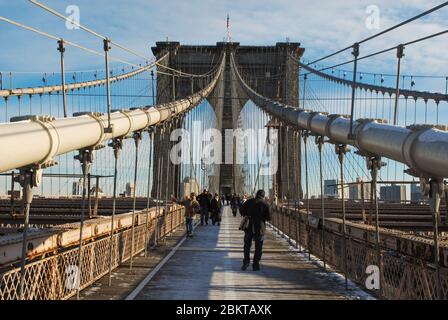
(189,224)
(204,215)
(248,238)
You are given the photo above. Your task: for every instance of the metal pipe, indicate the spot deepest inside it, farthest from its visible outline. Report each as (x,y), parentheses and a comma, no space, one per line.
(424,149)
(42,138)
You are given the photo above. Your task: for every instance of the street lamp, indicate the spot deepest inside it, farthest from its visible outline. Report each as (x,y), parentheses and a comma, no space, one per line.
(203,168)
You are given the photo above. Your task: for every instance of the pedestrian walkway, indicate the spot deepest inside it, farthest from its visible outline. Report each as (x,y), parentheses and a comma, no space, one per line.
(207,266)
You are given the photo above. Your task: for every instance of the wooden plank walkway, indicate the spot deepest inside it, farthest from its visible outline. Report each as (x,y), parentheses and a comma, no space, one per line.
(207,266)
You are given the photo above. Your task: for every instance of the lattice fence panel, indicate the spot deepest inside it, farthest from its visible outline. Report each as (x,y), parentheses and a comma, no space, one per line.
(51,278)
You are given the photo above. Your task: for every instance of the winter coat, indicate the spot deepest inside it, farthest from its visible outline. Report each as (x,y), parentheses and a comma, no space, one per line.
(259,212)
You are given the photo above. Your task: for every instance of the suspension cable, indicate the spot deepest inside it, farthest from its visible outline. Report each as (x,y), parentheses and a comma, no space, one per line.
(53,37)
(96,34)
(384,31)
(188,75)
(387,50)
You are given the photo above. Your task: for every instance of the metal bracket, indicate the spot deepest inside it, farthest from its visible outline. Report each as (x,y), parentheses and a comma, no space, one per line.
(400,51)
(117,145)
(341,150)
(35,118)
(86,157)
(320,140)
(137,136)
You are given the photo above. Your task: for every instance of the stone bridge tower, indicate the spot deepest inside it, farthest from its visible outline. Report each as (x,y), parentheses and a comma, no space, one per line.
(273,71)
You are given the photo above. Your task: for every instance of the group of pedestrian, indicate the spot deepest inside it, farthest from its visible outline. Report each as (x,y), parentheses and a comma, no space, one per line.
(255,212)
(209,207)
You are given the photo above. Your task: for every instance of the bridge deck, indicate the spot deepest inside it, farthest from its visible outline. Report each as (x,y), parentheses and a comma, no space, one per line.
(207,266)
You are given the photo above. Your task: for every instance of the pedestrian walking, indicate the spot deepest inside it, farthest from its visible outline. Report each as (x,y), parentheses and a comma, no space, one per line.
(257,212)
(191,209)
(204,202)
(215,209)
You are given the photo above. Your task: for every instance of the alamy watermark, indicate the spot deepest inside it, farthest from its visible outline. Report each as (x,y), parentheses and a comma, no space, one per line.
(373,278)
(72,282)
(74,17)
(373,20)
(235,147)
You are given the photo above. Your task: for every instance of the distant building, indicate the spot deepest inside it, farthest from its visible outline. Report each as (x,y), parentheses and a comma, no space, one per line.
(416,194)
(331,189)
(129,192)
(188,186)
(356,190)
(393,193)
(16,194)
(77,188)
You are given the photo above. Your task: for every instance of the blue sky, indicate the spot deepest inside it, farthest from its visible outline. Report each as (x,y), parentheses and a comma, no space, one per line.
(322,26)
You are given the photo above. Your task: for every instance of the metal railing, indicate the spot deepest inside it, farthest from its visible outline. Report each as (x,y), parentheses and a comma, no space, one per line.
(54,277)
(402,277)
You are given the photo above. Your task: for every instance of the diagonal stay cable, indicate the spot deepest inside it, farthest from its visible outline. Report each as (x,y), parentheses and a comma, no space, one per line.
(421,15)
(72,21)
(53,37)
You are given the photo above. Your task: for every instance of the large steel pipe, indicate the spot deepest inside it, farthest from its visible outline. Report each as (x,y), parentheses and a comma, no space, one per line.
(36,140)
(423,149)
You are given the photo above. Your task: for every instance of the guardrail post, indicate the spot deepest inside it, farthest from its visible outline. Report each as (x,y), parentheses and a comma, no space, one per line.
(85,156)
(28,178)
(306,135)
(151,132)
(374,164)
(320,145)
(117,145)
(436,188)
(137,136)
(341,151)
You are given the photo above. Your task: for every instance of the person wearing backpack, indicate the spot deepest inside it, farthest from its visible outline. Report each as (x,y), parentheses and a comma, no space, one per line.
(255,213)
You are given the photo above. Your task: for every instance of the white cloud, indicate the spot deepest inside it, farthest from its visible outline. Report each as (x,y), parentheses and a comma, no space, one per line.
(322,26)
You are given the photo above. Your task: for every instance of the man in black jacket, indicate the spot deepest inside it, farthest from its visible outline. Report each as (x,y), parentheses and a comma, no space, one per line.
(215,209)
(204,202)
(259,212)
